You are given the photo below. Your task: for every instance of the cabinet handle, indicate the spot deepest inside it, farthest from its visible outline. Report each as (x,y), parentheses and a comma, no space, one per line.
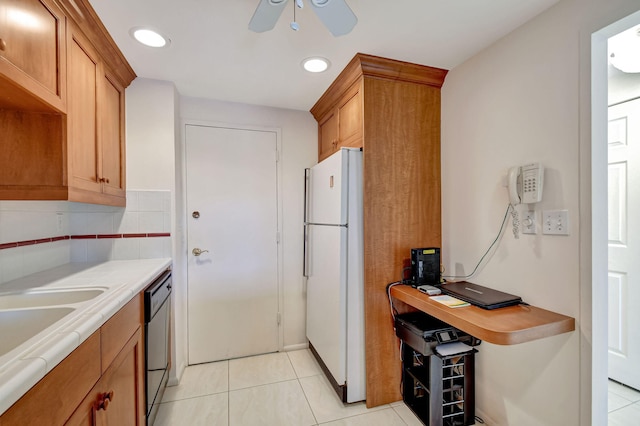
(104,180)
(104,400)
(3,44)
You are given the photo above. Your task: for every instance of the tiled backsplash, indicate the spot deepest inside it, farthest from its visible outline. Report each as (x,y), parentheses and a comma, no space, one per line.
(37,235)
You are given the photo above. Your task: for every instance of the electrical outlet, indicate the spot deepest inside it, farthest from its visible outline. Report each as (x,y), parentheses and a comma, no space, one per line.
(528,222)
(59,222)
(555,222)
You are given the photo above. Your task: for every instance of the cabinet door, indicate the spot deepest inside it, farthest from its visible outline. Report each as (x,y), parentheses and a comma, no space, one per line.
(31,34)
(118,397)
(327,136)
(125,378)
(55,397)
(83,72)
(350,118)
(111,125)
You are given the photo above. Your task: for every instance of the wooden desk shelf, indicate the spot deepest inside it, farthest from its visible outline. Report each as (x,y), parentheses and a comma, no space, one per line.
(504,326)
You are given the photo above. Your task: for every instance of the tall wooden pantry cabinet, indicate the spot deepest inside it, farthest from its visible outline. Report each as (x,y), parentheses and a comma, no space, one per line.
(392,110)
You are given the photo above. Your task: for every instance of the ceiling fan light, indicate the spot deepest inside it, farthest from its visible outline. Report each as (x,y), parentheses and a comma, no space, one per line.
(149,37)
(316,64)
(623,50)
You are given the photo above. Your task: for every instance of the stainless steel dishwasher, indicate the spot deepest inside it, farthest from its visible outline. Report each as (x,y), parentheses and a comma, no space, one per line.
(157,314)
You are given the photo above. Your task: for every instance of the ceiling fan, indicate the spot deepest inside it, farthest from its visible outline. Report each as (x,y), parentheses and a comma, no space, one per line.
(336,15)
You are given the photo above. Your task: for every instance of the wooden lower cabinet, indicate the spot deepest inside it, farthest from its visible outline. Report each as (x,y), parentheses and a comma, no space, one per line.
(99,383)
(115,399)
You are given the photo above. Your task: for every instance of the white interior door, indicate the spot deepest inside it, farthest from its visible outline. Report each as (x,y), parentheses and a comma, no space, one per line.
(232,302)
(624,243)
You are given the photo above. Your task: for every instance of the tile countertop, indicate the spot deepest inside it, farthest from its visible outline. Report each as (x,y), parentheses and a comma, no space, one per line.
(22,367)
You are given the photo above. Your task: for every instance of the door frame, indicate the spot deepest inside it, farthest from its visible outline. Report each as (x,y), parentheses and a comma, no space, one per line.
(184,248)
(594,199)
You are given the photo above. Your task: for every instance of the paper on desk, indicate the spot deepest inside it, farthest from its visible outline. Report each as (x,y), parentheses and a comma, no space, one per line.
(453,348)
(449,301)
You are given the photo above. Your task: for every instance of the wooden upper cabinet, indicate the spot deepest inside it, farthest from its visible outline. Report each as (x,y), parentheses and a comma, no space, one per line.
(350,118)
(327,135)
(32,55)
(84,73)
(62,119)
(341,126)
(95,126)
(112,135)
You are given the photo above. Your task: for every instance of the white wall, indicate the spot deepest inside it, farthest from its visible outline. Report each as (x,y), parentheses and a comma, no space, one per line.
(152,126)
(150,122)
(527,98)
(299,150)
(32,220)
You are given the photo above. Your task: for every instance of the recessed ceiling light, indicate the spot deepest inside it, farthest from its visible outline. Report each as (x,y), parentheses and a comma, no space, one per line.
(149,37)
(316,64)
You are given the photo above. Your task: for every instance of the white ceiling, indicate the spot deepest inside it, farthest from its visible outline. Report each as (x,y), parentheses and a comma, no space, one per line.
(214,55)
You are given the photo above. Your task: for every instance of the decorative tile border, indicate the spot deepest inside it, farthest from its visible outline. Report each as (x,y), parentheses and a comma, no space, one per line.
(82,237)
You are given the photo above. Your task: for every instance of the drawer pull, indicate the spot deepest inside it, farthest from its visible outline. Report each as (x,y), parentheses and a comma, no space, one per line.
(3,44)
(104,400)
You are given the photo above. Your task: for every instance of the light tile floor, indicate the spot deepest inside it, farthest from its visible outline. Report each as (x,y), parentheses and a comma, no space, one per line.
(288,388)
(279,389)
(624,405)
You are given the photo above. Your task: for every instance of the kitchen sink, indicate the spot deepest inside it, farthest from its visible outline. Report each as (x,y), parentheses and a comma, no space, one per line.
(18,326)
(48,297)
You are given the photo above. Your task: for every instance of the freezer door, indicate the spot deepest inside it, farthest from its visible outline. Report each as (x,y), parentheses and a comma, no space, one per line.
(328,180)
(327,298)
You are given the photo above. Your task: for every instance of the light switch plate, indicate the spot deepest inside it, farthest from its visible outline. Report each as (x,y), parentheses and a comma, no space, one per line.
(555,222)
(528,222)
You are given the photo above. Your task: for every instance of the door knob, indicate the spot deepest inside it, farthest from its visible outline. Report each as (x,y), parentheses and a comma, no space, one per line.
(197,252)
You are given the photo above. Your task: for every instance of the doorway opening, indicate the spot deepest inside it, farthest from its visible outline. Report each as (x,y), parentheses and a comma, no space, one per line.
(615,97)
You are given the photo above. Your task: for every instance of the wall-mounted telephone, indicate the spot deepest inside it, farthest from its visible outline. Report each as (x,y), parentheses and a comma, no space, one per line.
(525,183)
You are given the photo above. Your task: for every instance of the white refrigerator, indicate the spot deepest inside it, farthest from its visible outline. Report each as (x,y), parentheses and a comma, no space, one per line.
(334,268)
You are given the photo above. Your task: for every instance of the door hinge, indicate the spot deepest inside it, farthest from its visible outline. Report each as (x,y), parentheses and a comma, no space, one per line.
(277,155)
(277,237)
(279,318)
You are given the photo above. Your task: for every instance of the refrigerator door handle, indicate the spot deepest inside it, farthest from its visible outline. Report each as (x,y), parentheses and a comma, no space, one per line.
(340,225)
(305,254)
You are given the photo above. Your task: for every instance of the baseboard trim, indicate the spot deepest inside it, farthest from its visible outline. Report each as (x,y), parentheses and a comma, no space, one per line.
(296,347)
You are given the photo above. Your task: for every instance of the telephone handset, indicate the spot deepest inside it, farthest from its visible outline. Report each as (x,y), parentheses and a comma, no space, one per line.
(525,183)
(525,186)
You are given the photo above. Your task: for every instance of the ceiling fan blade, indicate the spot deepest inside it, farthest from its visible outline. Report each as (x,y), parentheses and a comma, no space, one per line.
(266,15)
(336,15)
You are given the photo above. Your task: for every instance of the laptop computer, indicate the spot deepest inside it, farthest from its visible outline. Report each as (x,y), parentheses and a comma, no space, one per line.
(481,296)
